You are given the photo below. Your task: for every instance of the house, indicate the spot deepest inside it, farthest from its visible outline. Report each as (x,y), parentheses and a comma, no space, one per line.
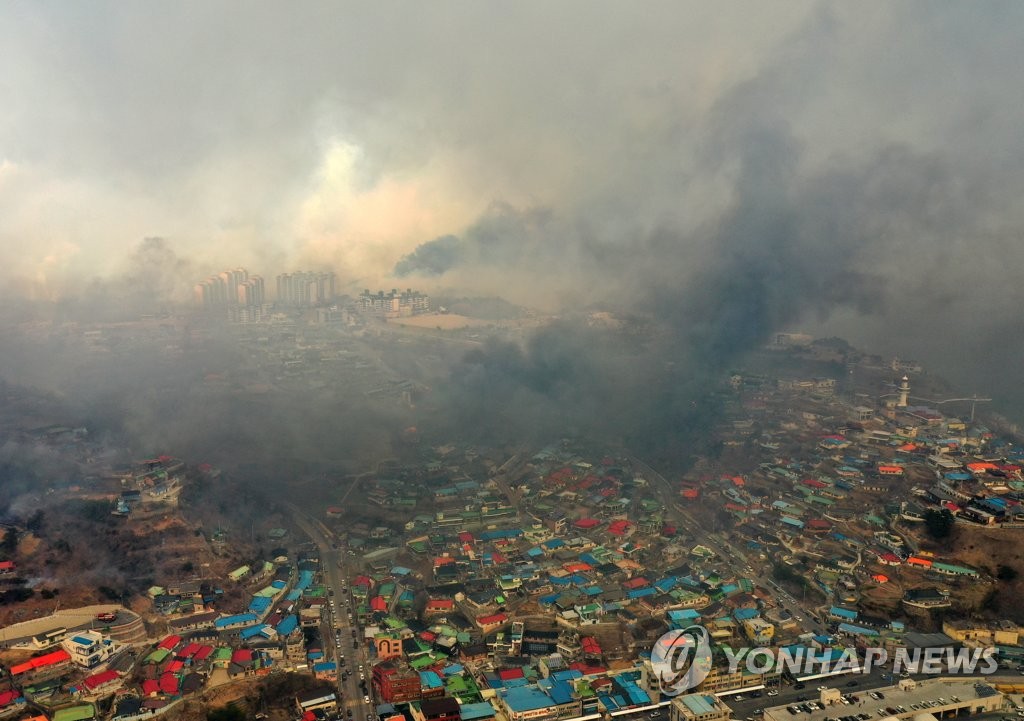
(11,701)
(759,631)
(396,683)
(927,598)
(322,698)
(89,648)
(101,683)
(531,702)
(698,707)
(489,624)
(192,622)
(41,667)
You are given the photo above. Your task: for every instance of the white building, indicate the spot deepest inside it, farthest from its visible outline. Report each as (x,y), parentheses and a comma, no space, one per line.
(89,649)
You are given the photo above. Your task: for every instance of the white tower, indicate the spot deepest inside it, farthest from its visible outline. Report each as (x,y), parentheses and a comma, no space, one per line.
(904,393)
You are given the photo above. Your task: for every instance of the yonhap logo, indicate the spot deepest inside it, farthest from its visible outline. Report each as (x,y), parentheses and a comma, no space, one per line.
(681,659)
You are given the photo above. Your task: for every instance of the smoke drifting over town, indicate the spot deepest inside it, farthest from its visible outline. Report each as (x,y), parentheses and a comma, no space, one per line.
(723,172)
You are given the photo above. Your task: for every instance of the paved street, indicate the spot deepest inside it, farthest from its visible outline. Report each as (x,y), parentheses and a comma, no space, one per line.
(726,551)
(337,630)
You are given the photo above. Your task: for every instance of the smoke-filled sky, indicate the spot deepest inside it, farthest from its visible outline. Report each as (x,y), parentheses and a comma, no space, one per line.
(732,168)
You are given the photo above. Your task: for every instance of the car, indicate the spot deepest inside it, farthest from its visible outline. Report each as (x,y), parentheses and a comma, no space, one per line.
(773,693)
(755,694)
(822,688)
(798,686)
(880,695)
(738,697)
(852,683)
(801,698)
(366,699)
(654,714)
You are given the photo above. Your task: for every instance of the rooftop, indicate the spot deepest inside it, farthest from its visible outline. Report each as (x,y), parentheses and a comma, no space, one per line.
(968,691)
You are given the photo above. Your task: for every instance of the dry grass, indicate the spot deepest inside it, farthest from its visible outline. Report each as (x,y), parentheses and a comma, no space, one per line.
(448,321)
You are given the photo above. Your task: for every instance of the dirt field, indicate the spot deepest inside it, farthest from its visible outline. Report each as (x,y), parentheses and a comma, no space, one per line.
(988,550)
(447,321)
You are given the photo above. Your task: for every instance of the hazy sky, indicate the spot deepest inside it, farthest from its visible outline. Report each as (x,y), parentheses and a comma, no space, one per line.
(574,151)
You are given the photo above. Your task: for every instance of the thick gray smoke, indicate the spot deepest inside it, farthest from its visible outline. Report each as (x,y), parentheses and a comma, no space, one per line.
(788,246)
(154,279)
(722,172)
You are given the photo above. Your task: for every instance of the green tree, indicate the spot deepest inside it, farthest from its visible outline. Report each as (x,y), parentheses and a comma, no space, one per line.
(10,543)
(226,713)
(1006,573)
(786,574)
(939,524)
(35,522)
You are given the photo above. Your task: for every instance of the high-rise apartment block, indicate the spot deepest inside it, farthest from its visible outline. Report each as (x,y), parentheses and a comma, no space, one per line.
(305,288)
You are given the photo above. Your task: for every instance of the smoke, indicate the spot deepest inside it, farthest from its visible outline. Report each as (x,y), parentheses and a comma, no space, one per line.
(153,279)
(434,257)
(721,172)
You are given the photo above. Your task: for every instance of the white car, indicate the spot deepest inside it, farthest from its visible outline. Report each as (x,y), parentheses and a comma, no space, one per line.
(773,693)
(821,688)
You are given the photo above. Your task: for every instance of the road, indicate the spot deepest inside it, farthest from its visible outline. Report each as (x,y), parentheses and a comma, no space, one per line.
(337,630)
(745,706)
(726,551)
